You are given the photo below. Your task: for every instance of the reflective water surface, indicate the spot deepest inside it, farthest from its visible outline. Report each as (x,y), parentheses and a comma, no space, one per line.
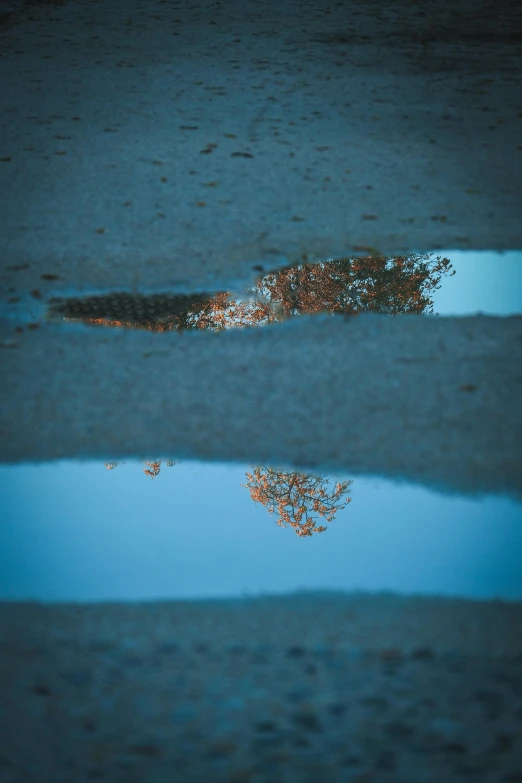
(448,282)
(76,531)
(404,284)
(165,528)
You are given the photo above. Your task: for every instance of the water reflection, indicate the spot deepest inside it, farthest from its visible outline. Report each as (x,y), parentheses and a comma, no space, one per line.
(295,497)
(403,284)
(73,531)
(153,467)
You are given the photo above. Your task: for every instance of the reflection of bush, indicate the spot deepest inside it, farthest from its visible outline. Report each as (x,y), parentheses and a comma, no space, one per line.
(296,497)
(152,470)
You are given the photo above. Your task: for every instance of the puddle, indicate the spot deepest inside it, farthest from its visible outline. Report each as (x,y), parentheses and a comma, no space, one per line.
(77,531)
(403,284)
(448,283)
(471,282)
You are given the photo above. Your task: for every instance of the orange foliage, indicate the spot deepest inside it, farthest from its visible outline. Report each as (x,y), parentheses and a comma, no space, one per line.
(372,283)
(154,469)
(154,466)
(296,497)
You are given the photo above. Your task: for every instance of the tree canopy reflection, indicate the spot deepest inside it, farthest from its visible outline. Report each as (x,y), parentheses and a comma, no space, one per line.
(403,284)
(297,498)
(348,286)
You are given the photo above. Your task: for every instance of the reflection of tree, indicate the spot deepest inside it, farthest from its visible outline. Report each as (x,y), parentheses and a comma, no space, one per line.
(221,312)
(153,466)
(384,285)
(374,283)
(296,497)
(403,284)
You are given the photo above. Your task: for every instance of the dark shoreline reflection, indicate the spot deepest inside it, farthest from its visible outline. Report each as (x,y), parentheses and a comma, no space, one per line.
(345,286)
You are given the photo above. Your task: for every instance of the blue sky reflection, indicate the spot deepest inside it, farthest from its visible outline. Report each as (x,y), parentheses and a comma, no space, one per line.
(77,531)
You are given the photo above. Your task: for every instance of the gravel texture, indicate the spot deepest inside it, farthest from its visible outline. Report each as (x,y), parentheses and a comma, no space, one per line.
(306,687)
(431,400)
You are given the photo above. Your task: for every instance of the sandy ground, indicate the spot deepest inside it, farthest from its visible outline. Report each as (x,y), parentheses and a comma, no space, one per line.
(306,687)
(430,400)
